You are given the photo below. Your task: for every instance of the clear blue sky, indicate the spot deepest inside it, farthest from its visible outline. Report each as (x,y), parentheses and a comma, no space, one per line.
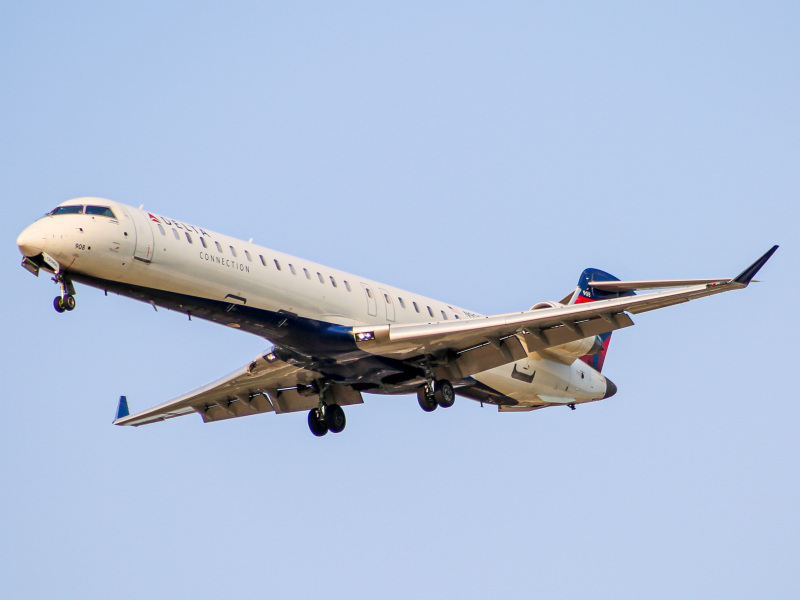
(481,153)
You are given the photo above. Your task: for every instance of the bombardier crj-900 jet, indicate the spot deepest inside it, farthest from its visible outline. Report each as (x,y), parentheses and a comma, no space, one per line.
(335,336)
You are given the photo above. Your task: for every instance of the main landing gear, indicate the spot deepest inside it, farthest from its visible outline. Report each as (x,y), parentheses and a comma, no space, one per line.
(441,393)
(325,418)
(66,301)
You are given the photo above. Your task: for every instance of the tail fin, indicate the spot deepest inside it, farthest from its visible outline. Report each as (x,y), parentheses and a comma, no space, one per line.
(586,293)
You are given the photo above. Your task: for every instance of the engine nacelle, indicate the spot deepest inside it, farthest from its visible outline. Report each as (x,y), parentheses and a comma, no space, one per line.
(571,350)
(547,304)
(578,348)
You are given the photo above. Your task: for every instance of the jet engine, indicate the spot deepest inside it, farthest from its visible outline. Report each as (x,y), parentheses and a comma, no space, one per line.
(570,350)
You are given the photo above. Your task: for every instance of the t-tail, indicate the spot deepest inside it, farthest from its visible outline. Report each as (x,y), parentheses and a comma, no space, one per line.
(587,293)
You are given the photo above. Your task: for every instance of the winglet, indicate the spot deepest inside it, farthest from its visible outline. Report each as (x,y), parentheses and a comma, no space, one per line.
(746,276)
(122,409)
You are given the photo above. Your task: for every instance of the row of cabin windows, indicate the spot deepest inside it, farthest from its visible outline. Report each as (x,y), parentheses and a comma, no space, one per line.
(321,278)
(388,300)
(250,258)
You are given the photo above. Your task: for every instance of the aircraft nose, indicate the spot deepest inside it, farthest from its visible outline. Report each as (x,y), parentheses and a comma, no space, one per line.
(611,389)
(31,241)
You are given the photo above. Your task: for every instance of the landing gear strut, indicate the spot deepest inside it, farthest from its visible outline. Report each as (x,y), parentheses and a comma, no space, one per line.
(325,418)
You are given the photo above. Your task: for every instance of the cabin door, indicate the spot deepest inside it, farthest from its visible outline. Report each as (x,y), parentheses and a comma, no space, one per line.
(144,236)
(372,304)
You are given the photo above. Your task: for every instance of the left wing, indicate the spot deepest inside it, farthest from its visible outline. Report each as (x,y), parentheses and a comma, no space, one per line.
(266,384)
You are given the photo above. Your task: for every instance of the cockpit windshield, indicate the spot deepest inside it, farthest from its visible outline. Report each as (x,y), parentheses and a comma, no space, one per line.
(102,211)
(66,210)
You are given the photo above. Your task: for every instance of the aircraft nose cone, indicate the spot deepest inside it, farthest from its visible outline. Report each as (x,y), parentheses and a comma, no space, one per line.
(31,241)
(611,389)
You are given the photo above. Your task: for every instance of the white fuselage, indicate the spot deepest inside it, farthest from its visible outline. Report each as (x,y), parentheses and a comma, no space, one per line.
(156,253)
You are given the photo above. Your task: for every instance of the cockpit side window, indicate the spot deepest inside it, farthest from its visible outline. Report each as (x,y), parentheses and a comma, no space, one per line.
(102,211)
(66,210)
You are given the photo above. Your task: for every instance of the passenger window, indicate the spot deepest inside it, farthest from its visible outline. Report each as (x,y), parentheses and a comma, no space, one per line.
(233,251)
(188,237)
(175,233)
(291,268)
(402,303)
(219,248)
(308,275)
(247,254)
(102,211)
(444,316)
(369,292)
(416,308)
(263,262)
(321,278)
(430,311)
(161,229)
(203,241)
(387,298)
(347,285)
(277,264)
(333,281)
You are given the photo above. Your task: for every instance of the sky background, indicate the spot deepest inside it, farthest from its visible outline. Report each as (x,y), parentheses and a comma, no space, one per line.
(480,153)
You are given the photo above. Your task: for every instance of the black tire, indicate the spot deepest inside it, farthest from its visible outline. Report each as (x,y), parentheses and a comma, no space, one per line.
(444,394)
(58,304)
(69,302)
(334,418)
(426,402)
(317,426)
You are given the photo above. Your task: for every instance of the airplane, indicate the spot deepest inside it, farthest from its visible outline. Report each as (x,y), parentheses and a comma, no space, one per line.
(335,336)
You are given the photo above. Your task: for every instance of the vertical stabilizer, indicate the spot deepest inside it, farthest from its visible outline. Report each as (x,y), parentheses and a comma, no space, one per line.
(587,293)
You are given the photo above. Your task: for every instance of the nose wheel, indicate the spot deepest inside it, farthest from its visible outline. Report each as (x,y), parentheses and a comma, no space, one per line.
(64,303)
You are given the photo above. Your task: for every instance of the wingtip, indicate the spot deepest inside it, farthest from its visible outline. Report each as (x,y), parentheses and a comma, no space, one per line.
(122,409)
(746,276)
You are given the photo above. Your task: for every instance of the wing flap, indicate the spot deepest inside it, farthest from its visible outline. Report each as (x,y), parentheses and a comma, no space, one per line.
(256,388)
(490,355)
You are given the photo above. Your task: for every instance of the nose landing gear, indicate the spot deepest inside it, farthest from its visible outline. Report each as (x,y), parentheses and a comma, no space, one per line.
(66,301)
